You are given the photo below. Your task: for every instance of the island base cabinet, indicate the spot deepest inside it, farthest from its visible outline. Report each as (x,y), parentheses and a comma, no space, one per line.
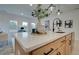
(19,50)
(68,47)
(49,48)
(61,46)
(69,44)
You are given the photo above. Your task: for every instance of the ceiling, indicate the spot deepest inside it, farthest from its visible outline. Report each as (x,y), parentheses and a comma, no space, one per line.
(26,9)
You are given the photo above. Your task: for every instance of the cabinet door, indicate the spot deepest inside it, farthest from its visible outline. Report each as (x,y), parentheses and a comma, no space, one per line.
(68,44)
(68,47)
(61,50)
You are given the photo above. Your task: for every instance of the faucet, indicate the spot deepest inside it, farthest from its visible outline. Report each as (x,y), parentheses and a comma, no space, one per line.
(58,23)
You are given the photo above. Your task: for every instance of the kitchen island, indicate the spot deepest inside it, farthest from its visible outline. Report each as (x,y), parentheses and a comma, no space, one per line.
(45,44)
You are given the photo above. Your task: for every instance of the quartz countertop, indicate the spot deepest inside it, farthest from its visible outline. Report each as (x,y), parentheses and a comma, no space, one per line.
(30,42)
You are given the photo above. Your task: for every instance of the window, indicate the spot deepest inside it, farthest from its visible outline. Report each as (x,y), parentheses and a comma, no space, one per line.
(13,24)
(33,25)
(25,25)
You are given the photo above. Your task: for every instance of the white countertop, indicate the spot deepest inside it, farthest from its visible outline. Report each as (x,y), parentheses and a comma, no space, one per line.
(32,41)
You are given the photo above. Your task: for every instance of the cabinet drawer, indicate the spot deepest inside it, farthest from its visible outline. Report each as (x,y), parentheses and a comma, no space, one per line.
(50,47)
(59,51)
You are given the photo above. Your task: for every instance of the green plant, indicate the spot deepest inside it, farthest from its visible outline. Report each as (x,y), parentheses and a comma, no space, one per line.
(40,12)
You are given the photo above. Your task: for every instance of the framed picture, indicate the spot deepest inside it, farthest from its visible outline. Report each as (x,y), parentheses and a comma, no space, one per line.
(68,23)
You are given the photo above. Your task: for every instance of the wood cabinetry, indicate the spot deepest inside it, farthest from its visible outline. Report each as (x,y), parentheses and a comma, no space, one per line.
(69,44)
(61,46)
(50,47)
(59,51)
(18,49)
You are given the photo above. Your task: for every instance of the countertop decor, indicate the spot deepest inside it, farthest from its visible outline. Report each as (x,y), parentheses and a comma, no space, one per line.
(40,13)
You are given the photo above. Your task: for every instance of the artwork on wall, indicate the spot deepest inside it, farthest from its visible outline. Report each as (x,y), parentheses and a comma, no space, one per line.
(47,25)
(68,23)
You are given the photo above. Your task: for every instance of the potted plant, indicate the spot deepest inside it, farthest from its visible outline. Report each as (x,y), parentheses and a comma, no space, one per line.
(40,13)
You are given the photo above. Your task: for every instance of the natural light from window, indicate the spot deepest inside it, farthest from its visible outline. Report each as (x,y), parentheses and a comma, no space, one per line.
(33,25)
(13,24)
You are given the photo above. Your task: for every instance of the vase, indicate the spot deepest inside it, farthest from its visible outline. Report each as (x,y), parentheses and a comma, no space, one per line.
(40,28)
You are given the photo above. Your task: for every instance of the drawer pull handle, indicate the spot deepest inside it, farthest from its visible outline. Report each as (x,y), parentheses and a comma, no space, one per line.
(49,51)
(58,53)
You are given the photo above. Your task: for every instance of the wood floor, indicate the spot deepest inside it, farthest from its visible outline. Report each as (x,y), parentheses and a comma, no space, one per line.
(6,51)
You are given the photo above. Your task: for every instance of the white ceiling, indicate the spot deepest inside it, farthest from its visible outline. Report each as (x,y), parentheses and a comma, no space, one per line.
(26,9)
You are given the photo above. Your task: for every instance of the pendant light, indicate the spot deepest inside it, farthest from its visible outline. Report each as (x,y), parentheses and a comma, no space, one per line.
(59,12)
(51,7)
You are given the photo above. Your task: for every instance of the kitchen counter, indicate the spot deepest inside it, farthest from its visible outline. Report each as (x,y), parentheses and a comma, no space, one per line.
(30,42)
